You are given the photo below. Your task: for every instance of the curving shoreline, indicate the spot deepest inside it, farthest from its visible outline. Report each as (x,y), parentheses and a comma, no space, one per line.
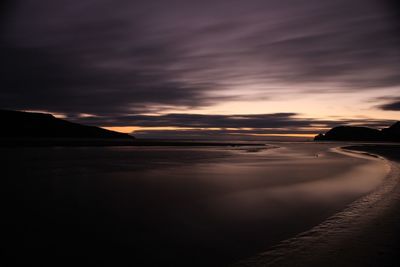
(364,234)
(235,203)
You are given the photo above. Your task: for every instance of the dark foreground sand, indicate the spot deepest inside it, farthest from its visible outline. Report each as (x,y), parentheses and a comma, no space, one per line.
(367,233)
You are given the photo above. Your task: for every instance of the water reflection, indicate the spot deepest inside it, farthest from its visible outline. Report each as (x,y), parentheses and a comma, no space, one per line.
(173,205)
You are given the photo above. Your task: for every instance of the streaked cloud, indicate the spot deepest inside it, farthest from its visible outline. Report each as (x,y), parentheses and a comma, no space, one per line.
(391,103)
(239,125)
(118,60)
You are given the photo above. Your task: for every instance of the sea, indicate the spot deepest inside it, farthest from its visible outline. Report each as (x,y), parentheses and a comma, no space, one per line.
(174,206)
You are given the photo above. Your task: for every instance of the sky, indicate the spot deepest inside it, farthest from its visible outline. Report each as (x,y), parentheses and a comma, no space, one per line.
(204,69)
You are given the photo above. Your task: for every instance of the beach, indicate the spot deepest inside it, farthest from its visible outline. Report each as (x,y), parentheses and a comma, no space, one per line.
(194,133)
(176,206)
(367,233)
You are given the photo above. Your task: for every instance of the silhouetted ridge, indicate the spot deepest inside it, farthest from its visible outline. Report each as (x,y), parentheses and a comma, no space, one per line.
(17,124)
(352,133)
(392,133)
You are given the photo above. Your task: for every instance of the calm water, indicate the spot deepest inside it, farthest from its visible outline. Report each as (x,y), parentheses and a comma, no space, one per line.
(174,206)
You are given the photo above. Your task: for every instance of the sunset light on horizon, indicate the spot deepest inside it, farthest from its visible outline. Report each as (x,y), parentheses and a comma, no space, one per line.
(200,133)
(146,67)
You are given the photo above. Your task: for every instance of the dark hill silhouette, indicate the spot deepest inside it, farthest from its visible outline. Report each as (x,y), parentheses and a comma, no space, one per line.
(40,129)
(392,133)
(352,133)
(18,124)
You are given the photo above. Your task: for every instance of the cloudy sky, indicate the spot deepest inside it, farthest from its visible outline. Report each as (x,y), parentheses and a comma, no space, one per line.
(206,68)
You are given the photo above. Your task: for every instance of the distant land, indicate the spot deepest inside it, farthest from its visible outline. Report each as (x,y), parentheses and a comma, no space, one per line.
(21,128)
(19,124)
(352,133)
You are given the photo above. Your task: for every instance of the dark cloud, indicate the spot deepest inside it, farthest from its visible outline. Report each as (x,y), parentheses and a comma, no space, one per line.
(393,8)
(55,82)
(239,124)
(391,104)
(206,134)
(276,120)
(113,58)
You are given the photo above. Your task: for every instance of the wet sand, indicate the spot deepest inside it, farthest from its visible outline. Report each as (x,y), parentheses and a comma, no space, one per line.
(171,206)
(367,233)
